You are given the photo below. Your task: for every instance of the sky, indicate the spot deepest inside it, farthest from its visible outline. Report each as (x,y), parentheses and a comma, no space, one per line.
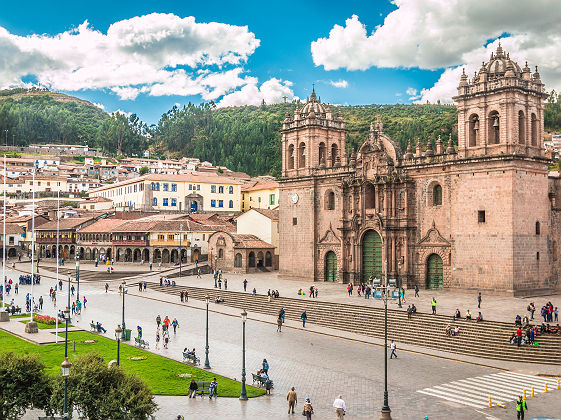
(145,57)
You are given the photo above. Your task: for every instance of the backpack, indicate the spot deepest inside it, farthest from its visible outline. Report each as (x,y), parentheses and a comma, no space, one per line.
(529,308)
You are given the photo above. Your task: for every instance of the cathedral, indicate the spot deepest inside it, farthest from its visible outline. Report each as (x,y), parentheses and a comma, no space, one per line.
(480,216)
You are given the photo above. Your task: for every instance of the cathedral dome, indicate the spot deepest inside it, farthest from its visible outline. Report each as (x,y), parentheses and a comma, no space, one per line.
(314,106)
(499,63)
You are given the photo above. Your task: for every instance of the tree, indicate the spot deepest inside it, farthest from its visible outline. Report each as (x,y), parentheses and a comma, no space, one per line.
(25,384)
(99,392)
(144,170)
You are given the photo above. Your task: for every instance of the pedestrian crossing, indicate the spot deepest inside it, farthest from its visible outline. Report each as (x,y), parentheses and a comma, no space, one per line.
(502,387)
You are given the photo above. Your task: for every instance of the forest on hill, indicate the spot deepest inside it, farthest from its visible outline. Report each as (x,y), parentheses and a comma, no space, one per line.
(243,138)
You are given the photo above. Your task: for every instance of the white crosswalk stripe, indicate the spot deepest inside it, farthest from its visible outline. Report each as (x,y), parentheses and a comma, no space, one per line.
(502,387)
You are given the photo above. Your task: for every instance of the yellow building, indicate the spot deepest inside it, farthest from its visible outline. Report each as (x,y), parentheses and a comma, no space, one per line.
(260,194)
(187,192)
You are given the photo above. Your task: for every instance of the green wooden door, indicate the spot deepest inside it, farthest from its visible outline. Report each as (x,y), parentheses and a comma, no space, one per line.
(434,272)
(330,266)
(371,255)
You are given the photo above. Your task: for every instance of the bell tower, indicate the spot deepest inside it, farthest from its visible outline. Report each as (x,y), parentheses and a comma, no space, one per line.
(501,109)
(312,138)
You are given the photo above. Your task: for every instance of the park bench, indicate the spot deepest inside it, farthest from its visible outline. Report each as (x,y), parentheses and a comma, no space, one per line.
(191,357)
(267,383)
(93,327)
(141,343)
(204,388)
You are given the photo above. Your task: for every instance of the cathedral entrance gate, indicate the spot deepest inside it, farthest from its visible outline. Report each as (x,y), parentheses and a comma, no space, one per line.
(434,272)
(330,266)
(371,255)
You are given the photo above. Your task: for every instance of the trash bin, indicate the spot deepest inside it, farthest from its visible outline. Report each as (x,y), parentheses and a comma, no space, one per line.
(127,335)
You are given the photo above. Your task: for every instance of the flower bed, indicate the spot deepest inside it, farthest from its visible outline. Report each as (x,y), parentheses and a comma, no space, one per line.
(44,319)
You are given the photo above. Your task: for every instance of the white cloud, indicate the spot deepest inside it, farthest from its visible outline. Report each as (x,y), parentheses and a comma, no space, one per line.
(339,83)
(100,106)
(271,91)
(436,34)
(157,54)
(411,91)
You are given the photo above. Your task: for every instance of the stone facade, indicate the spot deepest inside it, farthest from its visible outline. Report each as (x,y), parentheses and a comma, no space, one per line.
(480,217)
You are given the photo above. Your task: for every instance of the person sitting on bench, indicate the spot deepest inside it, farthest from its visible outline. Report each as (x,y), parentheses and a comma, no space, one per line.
(448,330)
(219,300)
(512,339)
(468,315)
(457,330)
(100,328)
(479,317)
(264,375)
(457,315)
(518,320)
(413,309)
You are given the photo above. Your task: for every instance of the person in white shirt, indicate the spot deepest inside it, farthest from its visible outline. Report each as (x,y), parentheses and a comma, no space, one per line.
(340,407)
(393,347)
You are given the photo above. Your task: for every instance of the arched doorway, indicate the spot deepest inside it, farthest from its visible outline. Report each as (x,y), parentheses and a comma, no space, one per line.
(66,251)
(260,259)
(434,272)
(108,253)
(137,255)
(165,256)
(268,259)
(251,259)
(371,255)
(157,255)
(128,255)
(183,256)
(174,256)
(146,255)
(238,260)
(119,254)
(195,256)
(330,266)
(94,254)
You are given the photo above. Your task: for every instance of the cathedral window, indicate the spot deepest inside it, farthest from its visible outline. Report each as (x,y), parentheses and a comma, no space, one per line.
(437,195)
(329,200)
(521,128)
(302,155)
(534,130)
(537,228)
(321,153)
(334,154)
(481,216)
(369,196)
(494,128)
(473,130)
(291,156)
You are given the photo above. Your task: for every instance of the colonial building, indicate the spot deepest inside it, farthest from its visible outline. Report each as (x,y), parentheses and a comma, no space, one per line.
(482,217)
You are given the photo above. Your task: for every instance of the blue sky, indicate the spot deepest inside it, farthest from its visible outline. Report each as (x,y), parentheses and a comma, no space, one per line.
(286,48)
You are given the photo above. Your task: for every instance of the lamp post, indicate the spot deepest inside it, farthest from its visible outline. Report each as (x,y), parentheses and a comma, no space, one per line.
(180,235)
(118,332)
(207,364)
(386,411)
(65,365)
(243,395)
(398,284)
(215,270)
(124,291)
(78,274)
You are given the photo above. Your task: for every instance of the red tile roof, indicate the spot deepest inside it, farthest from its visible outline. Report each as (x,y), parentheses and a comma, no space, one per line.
(249,242)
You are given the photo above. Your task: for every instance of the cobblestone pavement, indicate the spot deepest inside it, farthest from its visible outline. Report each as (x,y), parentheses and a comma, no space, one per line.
(320,367)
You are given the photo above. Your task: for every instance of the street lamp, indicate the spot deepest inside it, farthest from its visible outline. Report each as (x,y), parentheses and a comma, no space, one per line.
(78,274)
(207,364)
(118,332)
(124,291)
(386,411)
(65,365)
(215,270)
(399,284)
(243,395)
(180,235)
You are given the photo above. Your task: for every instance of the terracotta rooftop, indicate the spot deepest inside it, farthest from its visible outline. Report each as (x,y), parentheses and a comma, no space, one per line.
(65,224)
(137,226)
(94,200)
(272,214)
(249,241)
(103,226)
(12,228)
(260,185)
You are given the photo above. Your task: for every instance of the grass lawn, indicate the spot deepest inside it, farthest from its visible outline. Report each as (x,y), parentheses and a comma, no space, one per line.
(160,373)
(43,326)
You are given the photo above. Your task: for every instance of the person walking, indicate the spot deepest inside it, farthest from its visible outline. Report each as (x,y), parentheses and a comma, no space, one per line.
(281,314)
(106,287)
(279,324)
(409,312)
(433,303)
(85,300)
(265,366)
(304,317)
(531,309)
(158,321)
(199,273)
(308,409)
(158,338)
(225,284)
(150,266)
(186,296)
(416,291)
(292,399)
(174,324)
(245,285)
(393,348)
(479,299)
(518,336)
(193,389)
(340,407)
(41,303)
(521,407)
(166,338)
(556,314)
(181,296)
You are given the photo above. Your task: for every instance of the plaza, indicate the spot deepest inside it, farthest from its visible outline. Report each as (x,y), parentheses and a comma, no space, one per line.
(319,362)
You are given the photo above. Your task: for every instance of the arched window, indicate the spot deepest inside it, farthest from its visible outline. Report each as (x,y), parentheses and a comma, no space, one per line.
(231,204)
(537,228)
(321,153)
(268,259)
(334,154)
(437,195)
(521,128)
(302,155)
(473,130)
(369,196)
(231,190)
(329,200)
(291,156)
(238,260)
(220,253)
(494,128)
(251,259)
(534,130)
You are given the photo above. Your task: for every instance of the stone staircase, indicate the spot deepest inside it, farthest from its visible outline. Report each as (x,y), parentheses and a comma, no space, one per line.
(489,339)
